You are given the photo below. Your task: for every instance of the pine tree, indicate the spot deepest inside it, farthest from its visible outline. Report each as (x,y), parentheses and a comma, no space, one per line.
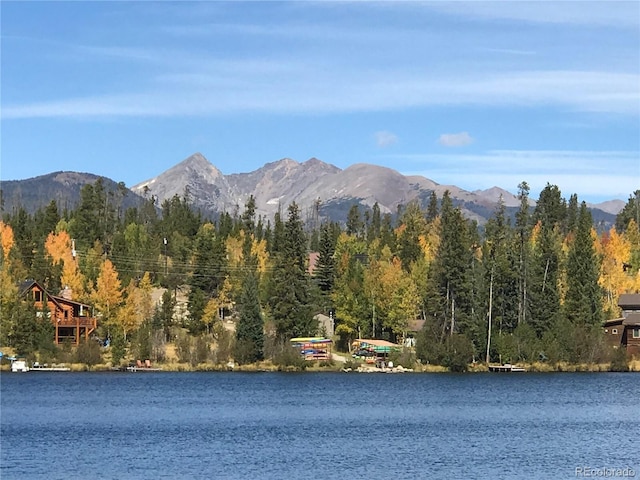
(544,294)
(432,207)
(354,222)
(413,224)
(631,211)
(449,276)
(209,271)
(250,329)
(583,301)
(325,266)
(522,239)
(290,287)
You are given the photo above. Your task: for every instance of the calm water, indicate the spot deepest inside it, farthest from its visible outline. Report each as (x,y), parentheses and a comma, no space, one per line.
(316,425)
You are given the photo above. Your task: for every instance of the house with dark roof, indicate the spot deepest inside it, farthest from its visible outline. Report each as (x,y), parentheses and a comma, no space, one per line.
(625,331)
(72,320)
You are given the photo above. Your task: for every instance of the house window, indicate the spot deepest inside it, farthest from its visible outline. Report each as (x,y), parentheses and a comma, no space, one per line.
(37,295)
(636,332)
(614,331)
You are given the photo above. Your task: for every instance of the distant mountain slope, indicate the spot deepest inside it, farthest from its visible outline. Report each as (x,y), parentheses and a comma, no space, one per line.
(63,187)
(322,190)
(318,187)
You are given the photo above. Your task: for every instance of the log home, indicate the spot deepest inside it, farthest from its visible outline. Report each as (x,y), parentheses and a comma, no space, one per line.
(72,320)
(625,331)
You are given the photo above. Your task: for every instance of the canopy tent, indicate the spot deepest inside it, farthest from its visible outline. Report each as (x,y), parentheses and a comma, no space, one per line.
(377,346)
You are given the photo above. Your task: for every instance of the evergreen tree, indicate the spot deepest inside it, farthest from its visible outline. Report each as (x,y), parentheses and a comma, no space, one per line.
(631,211)
(449,276)
(289,297)
(572,213)
(522,239)
(583,301)
(413,225)
(432,207)
(387,234)
(373,231)
(354,222)
(209,271)
(325,266)
(250,329)
(46,220)
(551,208)
(543,292)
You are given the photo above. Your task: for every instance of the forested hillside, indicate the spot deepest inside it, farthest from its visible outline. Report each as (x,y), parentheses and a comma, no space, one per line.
(540,285)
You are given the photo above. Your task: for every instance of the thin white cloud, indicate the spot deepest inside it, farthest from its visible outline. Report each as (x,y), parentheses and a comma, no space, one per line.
(455,139)
(291,87)
(385,139)
(590,13)
(593,175)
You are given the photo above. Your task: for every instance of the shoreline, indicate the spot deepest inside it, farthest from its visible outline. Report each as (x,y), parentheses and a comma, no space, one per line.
(173,367)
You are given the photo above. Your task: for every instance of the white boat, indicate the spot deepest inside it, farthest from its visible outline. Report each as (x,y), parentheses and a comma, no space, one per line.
(19,366)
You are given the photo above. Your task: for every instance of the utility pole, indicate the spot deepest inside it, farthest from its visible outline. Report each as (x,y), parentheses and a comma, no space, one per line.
(490,309)
(165,255)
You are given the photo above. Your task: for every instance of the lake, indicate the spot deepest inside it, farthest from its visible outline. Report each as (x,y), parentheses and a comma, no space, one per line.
(344,426)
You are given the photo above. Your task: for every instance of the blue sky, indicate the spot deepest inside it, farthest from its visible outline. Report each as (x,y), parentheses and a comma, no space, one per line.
(474,94)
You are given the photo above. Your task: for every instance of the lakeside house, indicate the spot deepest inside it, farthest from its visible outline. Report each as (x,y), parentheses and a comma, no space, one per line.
(624,332)
(72,320)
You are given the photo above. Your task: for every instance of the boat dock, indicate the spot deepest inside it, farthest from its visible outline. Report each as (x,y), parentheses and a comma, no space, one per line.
(507,367)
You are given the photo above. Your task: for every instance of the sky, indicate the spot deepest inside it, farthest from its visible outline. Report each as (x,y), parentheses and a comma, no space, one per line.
(472,94)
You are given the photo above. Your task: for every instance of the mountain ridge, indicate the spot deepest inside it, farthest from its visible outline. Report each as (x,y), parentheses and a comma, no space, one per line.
(322,190)
(314,184)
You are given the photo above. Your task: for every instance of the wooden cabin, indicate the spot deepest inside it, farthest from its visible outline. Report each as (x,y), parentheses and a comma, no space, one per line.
(625,331)
(72,320)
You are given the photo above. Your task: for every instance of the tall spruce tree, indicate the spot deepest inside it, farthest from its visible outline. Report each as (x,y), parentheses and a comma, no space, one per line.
(501,267)
(325,266)
(523,231)
(289,296)
(413,225)
(449,275)
(209,271)
(583,300)
(250,330)
(544,291)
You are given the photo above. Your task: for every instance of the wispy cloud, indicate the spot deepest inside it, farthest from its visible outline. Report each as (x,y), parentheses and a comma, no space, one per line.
(385,139)
(298,87)
(596,174)
(455,139)
(616,14)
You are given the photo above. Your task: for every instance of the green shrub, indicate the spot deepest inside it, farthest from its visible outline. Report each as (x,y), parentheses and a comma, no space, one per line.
(619,360)
(89,352)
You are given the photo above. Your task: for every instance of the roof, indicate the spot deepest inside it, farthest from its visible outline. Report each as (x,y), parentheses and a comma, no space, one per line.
(377,345)
(319,340)
(26,285)
(415,325)
(629,301)
(613,322)
(632,320)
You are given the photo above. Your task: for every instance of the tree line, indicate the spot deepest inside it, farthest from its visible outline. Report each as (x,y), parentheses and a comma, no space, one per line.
(535,287)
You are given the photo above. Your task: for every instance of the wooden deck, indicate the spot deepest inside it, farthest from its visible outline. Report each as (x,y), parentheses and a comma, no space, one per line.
(506,368)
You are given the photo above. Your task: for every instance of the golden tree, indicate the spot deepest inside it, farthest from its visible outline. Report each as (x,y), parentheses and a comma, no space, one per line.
(6,239)
(616,251)
(137,306)
(59,247)
(107,295)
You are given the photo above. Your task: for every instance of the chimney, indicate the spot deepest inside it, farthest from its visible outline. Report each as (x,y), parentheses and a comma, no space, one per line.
(66,293)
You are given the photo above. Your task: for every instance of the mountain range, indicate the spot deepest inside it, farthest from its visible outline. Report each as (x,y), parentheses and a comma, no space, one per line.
(322,190)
